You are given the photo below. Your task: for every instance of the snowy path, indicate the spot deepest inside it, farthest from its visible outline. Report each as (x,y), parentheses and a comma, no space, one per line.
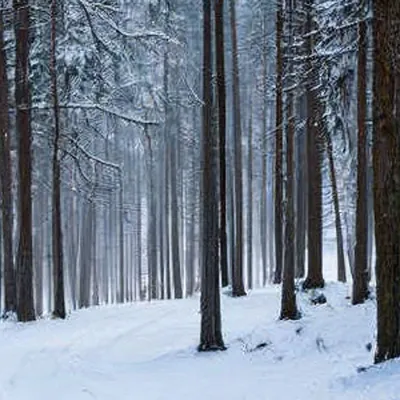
(147,352)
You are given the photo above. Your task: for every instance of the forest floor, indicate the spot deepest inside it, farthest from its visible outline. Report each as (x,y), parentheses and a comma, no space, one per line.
(147,351)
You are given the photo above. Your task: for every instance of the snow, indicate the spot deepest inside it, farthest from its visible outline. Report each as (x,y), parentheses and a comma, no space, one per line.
(147,351)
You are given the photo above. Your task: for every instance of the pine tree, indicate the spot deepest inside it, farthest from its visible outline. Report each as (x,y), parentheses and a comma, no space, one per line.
(211,332)
(386,161)
(10,295)
(360,278)
(25,307)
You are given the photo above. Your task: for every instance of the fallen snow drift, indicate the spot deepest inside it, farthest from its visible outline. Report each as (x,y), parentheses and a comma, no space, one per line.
(148,351)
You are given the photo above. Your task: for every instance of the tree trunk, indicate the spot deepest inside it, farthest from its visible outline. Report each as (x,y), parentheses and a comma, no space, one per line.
(122,281)
(168,223)
(25,307)
(221,98)
(139,275)
(314,153)
(237,270)
(58,254)
(211,332)
(360,278)
(338,222)
(263,203)
(250,203)
(386,159)
(288,302)
(151,226)
(10,295)
(176,264)
(278,148)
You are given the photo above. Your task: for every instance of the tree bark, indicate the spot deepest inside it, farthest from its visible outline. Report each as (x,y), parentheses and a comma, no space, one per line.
(10,295)
(279,147)
(221,98)
(263,203)
(58,254)
(360,278)
(237,269)
(314,153)
(211,331)
(25,307)
(250,202)
(176,262)
(338,222)
(288,302)
(386,160)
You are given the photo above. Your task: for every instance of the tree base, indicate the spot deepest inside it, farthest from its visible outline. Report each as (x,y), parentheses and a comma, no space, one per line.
(239,293)
(211,347)
(290,316)
(58,315)
(311,283)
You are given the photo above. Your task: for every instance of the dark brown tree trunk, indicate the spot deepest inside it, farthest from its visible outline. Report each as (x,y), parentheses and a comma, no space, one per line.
(338,222)
(211,332)
(386,159)
(288,301)
(237,270)
(314,154)
(279,147)
(360,278)
(221,99)
(10,295)
(58,256)
(25,307)
(301,159)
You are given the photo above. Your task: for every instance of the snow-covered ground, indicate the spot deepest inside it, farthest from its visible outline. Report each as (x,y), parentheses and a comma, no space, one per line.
(148,351)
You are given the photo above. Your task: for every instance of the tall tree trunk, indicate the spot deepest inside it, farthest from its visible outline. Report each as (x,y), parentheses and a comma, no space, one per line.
(190,276)
(25,306)
(58,254)
(39,249)
(221,98)
(176,264)
(168,223)
(161,219)
(314,153)
(211,331)
(151,226)
(338,222)
(360,279)
(250,202)
(288,302)
(301,150)
(85,254)
(263,203)
(93,258)
(278,147)
(122,281)
(139,275)
(237,270)
(386,158)
(10,295)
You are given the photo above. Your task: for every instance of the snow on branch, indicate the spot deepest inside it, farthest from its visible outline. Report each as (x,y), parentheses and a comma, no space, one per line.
(106,110)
